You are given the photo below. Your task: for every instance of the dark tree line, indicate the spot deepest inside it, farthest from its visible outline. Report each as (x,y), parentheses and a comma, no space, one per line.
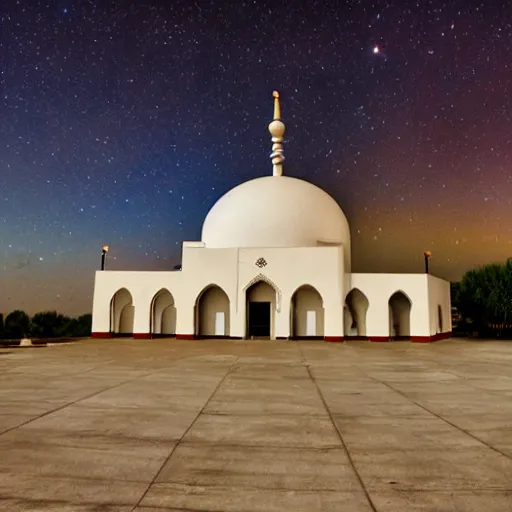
(483,300)
(47,324)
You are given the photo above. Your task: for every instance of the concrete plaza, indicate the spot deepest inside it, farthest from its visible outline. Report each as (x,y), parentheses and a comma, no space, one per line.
(122,425)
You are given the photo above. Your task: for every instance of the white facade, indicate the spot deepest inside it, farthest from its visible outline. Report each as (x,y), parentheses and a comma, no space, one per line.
(274,261)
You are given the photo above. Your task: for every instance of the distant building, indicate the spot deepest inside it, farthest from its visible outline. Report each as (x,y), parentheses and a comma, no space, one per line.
(274,261)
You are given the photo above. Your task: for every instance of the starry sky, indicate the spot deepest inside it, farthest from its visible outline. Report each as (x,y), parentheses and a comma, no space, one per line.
(122,123)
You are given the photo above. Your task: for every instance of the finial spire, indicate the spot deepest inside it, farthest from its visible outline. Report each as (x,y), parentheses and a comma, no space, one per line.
(276,129)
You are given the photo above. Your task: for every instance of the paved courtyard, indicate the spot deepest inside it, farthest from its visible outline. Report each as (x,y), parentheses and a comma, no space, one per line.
(264,426)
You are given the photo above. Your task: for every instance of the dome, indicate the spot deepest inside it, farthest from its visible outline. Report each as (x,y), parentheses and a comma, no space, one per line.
(276,211)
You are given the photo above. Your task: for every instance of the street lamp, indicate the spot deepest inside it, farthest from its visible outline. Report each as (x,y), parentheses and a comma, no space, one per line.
(427,255)
(104,251)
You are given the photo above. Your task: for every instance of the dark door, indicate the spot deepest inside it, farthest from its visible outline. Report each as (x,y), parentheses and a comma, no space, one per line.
(259,319)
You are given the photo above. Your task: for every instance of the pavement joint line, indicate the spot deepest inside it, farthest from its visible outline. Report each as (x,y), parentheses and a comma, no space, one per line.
(448,422)
(277,415)
(337,491)
(260,488)
(69,404)
(94,505)
(469,381)
(338,432)
(178,443)
(74,478)
(263,446)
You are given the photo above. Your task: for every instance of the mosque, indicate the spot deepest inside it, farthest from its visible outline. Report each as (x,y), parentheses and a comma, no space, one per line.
(274,262)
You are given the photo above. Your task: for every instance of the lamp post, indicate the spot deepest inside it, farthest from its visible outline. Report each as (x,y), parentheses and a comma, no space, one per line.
(104,251)
(427,255)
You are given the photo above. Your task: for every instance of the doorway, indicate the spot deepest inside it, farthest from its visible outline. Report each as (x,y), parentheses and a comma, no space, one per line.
(260,310)
(259,319)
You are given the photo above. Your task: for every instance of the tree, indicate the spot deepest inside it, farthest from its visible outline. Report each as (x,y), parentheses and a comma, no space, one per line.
(48,324)
(84,326)
(485,298)
(16,325)
(1,326)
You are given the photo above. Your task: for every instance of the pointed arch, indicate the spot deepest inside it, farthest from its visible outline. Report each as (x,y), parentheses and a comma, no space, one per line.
(399,305)
(355,312)
(163,314)
(306,313)
(265,279)
(212,315)
(122,313)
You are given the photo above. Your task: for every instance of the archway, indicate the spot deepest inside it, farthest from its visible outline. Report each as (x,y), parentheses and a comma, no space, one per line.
(439,318)
(399,316)
(122,313)
(355,314)
(163,314)
(212,313)
(260,310)
(307,313)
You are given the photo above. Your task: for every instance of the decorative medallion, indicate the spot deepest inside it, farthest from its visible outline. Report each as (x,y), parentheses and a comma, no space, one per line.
(261,262)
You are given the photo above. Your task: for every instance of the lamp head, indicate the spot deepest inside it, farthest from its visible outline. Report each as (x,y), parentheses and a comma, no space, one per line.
(105,248)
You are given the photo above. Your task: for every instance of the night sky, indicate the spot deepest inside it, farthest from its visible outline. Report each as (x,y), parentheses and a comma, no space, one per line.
(123,122)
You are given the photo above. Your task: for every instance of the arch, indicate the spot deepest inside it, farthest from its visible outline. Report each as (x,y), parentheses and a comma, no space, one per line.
(399,316)
(163,314)
(262,277)
(307,313)
(355,311)
(212,317)
(439,318)
(261,299)
(122,313)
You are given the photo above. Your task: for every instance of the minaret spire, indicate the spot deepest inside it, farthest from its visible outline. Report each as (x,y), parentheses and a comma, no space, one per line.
(276,129)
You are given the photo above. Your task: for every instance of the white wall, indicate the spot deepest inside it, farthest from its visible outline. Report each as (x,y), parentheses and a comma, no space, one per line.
(439,295)
(143,286)
(378,288)
(234,271)
(286,270)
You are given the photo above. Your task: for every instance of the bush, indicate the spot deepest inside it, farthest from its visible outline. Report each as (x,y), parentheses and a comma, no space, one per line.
(46,324)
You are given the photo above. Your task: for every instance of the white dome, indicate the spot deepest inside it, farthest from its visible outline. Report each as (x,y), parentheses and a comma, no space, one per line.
(276,211)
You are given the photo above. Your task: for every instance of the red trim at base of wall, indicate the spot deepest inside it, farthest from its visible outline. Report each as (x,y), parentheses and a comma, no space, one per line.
(147,336)
(334,338)
(435,337)
(142,336)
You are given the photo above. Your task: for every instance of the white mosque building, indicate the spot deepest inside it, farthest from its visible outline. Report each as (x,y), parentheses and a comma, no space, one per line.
(275,268)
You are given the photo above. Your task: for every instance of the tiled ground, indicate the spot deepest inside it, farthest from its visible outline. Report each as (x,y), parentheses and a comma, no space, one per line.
(264,426)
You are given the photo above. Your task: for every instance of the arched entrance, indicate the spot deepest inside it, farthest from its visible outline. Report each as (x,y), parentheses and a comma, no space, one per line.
(439,318)
(307,313)
(212,313)
(122,313)
(399,316)
(355,314)
(163,314)
(260,310)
